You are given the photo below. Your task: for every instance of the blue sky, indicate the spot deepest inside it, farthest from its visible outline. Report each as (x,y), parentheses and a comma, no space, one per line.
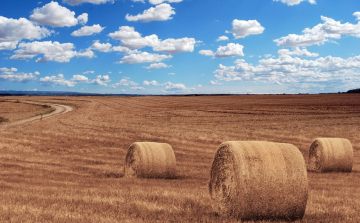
(180,46)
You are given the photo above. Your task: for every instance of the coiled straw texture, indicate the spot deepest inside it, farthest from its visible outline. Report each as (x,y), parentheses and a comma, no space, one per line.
(331,154)
(150,160)
(254,180)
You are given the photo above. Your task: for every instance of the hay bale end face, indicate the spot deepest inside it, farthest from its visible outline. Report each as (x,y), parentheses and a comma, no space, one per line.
(150,160)
(259,181)
(331,155)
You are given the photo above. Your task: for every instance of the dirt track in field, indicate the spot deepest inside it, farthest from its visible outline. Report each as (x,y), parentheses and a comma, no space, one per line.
(59,109)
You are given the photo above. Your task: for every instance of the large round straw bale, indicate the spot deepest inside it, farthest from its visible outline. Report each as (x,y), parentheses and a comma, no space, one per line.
(331,154)
(151,160)
(254,180)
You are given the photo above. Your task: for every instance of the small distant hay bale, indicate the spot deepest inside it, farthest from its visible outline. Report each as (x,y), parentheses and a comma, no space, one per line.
(331,155)
(150,160)
(252,180)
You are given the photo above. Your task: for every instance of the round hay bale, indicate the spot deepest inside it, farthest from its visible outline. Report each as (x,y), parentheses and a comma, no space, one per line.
(254,180)
(330,154)
(150,160)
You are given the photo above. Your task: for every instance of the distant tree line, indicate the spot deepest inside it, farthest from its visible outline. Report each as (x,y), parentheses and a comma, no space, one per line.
(354,91)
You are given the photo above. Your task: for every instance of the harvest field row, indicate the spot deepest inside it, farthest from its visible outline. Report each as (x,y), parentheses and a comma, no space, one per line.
(69,168)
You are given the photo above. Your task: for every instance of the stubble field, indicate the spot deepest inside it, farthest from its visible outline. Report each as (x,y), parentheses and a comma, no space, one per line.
(69,168)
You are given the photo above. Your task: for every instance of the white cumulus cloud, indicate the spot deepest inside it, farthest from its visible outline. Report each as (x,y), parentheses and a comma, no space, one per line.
(88,30)
(320,33)
(78,2)
(14,30)
(124,49)
(357,14)
(222,38)
(173,46)
(132,39)
(103,47)
(144,57)
(124,82)
(8,45)
(152,83)
(295,2)
(160,12)
(51,81)
(137,88)
(11,74)
(169,86)
(294,71)
(156,2)
(243,28)
(137,43)
(125,32)
(216,82)
(207,52)
(88,53)
(101,80)
(176,88)
(296,51)
(83,18)
(52,51)
(89,72)
(230,50)
(158,66)
(55,15)
(80,79)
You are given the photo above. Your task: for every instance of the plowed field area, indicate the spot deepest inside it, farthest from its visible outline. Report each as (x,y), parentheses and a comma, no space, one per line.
(69,167)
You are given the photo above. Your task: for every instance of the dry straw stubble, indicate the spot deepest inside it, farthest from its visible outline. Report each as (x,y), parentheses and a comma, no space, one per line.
(330,154)
(150,160)
(259,180)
